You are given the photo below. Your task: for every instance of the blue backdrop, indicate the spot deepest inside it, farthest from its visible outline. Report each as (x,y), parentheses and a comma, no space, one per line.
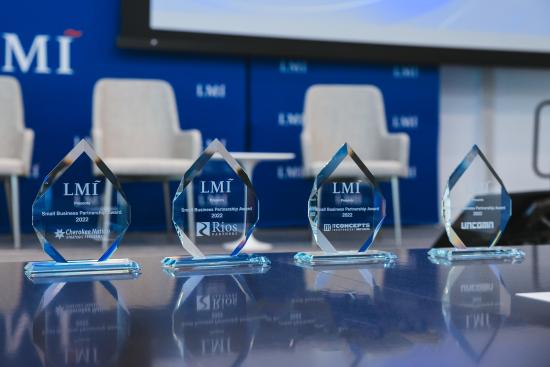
(248,104)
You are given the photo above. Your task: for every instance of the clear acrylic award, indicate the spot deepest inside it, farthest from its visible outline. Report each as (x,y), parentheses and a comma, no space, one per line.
(215,205)
(476,208)
(346,209)
(75,212)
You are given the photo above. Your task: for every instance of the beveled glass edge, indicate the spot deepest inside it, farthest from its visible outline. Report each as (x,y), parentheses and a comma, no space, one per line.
(46,279)
(448,255)
(344,257)
(216,264)
(196,168)
(344,151)
(185,272)
(453,237)
(466,162)
(83,146)
(79,268)
(215,260)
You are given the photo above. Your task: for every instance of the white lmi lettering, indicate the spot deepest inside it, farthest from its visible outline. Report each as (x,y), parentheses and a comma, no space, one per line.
(345,188)
(80,190)
(213,187)
(15,54)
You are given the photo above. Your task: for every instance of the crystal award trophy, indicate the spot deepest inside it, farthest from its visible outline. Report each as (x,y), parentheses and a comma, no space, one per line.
(75,212)
(215,204)
(346,209)
(476,208)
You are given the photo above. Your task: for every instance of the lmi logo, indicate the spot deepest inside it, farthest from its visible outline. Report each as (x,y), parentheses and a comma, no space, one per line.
(77,189)
(345,188)
(16,56)
(216,187)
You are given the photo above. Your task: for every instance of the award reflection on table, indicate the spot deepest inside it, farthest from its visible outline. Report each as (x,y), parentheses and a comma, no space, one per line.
(476,208)
(346,208)
(215,204)
(75,211)
(214,320)
(475,305)
(81,324)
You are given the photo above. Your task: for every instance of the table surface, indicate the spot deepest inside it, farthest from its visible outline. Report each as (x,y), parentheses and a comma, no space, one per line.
(413,313)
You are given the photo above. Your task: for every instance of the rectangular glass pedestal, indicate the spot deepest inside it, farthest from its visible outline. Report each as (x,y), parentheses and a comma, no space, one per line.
(344,258)
(191,265)
(475,253)
(50,269)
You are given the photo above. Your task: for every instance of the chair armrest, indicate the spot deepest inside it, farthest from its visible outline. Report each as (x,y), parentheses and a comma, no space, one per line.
(397,146)
(26,150)
(188,144)
(97,141)
(305,142)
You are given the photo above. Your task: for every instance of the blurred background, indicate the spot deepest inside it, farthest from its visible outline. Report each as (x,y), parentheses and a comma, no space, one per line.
(451,74)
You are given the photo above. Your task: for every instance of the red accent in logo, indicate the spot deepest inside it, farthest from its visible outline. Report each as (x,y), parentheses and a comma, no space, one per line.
(72,33)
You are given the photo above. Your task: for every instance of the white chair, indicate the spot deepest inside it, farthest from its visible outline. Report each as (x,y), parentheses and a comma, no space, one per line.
(136,131)
(336,114)
(16,146)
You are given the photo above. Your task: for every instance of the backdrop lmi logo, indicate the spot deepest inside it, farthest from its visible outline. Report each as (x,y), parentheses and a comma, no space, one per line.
(203,229)
(20,55)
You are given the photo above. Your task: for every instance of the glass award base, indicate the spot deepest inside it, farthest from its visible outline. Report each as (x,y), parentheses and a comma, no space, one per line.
(475,253)
(50,269)
(190,264)
(344,258)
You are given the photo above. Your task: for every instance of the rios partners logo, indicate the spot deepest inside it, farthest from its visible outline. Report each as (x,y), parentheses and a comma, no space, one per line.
(213,229)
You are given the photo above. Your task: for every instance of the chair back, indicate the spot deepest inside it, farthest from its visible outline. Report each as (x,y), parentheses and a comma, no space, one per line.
(336,114)
(135,117)
(11,117)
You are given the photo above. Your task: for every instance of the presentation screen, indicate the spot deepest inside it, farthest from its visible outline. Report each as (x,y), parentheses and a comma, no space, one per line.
(295,27)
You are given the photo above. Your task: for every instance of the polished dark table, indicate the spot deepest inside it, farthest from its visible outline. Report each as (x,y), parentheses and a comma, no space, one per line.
(413,313)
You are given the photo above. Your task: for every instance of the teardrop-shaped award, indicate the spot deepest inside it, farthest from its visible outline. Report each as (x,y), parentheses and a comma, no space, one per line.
(76,212)
(476,208)
(215,205)
(346,210)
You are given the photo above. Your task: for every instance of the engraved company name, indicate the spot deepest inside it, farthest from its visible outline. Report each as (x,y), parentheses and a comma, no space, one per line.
(477,225)
(216,229)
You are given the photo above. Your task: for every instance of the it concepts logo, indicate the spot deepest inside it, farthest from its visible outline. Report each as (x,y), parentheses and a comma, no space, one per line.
(203,229)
